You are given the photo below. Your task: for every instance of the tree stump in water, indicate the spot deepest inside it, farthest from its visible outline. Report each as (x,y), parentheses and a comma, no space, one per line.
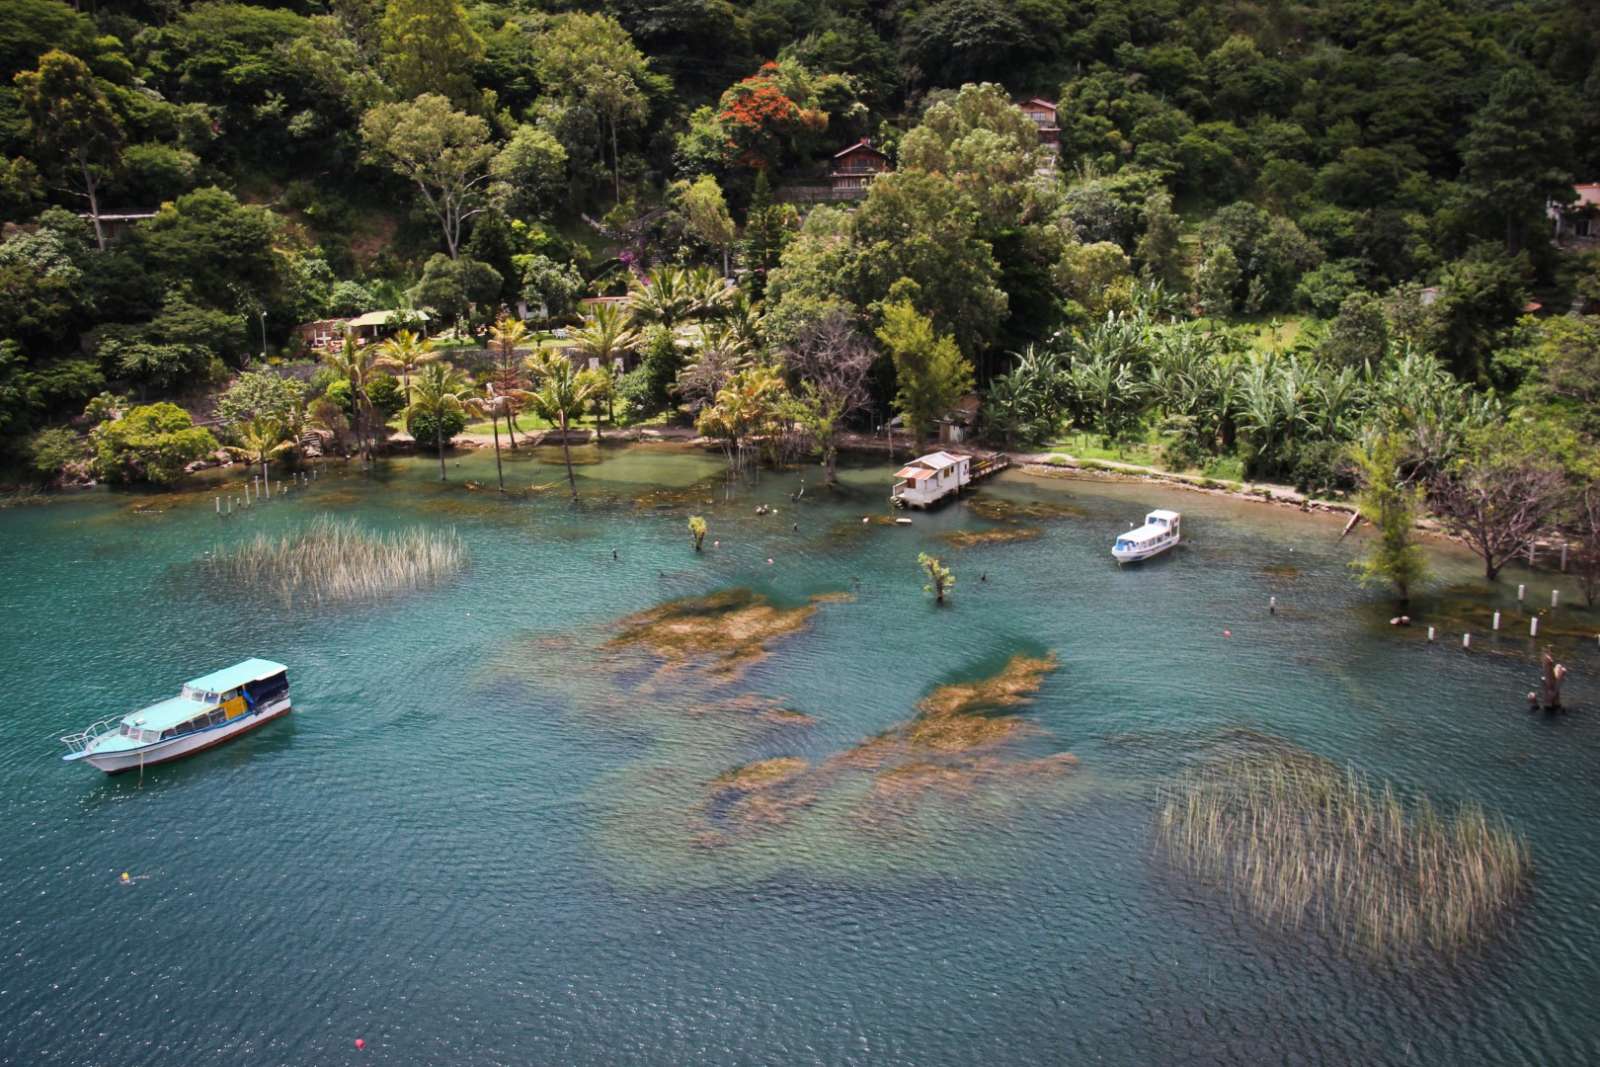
(1550,691)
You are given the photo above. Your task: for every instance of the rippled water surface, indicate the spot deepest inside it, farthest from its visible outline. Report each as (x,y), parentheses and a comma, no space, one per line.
(487,836)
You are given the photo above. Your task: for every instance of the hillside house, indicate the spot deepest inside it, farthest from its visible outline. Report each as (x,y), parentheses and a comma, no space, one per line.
(854,168)
(959,423)
(1043,115)
(117,226)
(370,327)
(1577,223)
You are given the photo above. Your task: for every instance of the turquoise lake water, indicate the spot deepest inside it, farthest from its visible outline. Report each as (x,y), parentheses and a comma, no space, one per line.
(484,837)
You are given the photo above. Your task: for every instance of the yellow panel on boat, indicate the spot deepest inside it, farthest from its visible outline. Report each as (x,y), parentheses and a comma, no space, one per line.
(234,707)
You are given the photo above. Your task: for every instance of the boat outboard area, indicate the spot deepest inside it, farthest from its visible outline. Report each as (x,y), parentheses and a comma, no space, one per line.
(1161,531)
(207,711)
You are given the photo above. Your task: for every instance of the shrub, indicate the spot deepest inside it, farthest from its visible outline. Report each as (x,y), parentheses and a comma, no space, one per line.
(385,393)
(52,449)
(151,443)
(259,394)
(427,428)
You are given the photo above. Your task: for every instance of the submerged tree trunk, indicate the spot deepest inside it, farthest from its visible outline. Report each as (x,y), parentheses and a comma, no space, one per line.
(830,464)
(265,483)
(1550,690)
(494,421)
(566,452)
(438,442)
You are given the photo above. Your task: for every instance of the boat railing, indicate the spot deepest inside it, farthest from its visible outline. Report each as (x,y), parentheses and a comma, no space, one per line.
(86,737)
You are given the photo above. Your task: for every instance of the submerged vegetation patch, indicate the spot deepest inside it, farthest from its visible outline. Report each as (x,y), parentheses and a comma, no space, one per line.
(727,630)
(1003,535)
(951,746)
(763,794)
(1298,843)
(1005,509)
(336,560)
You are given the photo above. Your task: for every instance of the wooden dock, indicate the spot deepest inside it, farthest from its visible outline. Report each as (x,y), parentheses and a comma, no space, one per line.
(994,464)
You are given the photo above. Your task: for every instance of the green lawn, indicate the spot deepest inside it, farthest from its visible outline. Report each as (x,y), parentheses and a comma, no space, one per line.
(1146,453)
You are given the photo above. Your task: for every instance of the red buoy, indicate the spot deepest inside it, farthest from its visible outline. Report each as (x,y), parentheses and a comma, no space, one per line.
(1227,633)
(361,1043)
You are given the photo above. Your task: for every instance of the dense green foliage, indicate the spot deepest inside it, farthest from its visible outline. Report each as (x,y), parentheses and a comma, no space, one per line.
(1264,230)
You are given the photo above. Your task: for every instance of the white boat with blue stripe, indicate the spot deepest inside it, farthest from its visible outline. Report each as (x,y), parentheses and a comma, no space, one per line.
(1159,533)
(209,710)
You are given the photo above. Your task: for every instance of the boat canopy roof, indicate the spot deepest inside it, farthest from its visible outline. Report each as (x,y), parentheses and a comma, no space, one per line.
(1162,513)
(251,670)
(167,713)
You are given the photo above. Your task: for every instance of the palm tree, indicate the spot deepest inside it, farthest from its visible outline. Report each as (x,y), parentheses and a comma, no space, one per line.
(505,337)
(560,391)
(493,405)
(603,340)
(437,393)
(664,299)
(744,319)
(709,293)
(261,436)
(405,352)
(355,365)
(606,335)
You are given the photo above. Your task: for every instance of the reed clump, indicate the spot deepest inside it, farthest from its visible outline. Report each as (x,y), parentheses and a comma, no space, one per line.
(1299,843)
(333,560)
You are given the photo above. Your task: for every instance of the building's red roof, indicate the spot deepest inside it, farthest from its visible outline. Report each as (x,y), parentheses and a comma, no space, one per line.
(1039,101)
(1588,194)
(913,474)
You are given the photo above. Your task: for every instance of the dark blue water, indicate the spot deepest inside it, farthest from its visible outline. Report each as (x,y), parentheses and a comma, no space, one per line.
(484,837)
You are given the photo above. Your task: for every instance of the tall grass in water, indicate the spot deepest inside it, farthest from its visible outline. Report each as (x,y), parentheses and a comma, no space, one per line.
(1299,842)
(332,560)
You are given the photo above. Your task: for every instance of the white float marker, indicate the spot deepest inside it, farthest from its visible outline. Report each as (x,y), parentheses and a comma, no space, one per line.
(1430,634)
(1533,627)
(1497,620)
(1466,640)
(1555,597)
(1522,591)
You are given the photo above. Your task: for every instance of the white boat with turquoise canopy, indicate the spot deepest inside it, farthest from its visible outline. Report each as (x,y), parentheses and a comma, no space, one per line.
(208,711)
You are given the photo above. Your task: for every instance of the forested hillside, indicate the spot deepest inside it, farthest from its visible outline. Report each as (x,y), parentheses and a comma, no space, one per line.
(1310,193)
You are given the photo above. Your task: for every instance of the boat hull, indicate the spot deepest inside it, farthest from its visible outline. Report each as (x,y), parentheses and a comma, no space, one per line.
(188,745)
(1139,554)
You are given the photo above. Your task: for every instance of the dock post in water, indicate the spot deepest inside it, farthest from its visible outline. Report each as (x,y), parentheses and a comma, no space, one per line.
(1555,598)
(1430,633)
(1533,627)
(1272,605)
(1466,640)
(1522,591)
(1496,620)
